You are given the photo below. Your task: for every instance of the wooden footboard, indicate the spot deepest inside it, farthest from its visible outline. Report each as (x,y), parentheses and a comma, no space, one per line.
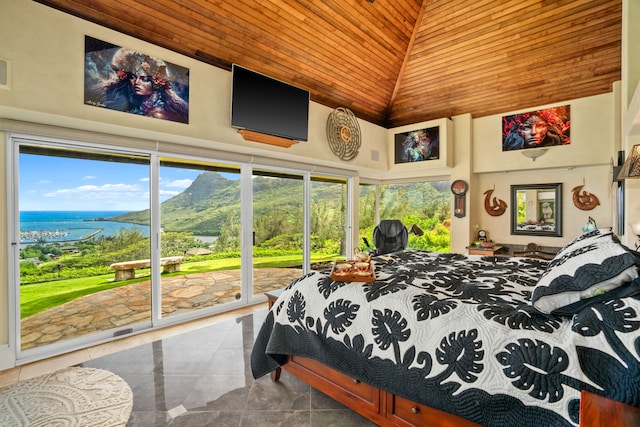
(598,411)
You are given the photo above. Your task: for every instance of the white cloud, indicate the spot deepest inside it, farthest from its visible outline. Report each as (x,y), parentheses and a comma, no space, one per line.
(88,177)
(178,183)
(167,194)
(99,192)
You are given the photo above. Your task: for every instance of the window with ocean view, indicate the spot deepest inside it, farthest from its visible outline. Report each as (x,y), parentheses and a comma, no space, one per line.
(71,234)
(111,241)
(107,249)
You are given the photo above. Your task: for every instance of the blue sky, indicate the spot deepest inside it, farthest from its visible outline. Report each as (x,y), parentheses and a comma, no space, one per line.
(58,183)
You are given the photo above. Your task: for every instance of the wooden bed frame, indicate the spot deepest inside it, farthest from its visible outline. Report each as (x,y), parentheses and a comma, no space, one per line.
(381,407)
(386,409)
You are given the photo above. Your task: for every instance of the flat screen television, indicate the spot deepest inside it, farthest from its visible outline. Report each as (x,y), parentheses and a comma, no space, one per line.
(266,105)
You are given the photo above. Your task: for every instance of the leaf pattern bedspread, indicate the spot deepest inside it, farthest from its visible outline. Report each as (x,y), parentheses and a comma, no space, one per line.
(457,333)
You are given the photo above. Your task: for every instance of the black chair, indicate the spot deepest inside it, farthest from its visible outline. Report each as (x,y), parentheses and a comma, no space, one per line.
(390,236)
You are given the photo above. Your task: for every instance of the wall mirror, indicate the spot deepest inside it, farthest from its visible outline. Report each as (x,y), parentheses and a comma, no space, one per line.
(536,209)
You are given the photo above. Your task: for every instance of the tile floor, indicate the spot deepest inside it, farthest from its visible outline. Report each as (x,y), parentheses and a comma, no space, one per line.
(200,375)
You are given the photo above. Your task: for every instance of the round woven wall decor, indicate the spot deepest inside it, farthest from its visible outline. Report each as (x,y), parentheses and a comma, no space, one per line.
(343,133)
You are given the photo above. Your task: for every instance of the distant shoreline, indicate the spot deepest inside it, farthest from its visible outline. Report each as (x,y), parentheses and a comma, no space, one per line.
(64,227)
(41,237)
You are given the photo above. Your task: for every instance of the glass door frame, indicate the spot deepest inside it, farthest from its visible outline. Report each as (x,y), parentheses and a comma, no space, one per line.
(13,142)
(248,225)
(247,220)
(158,320)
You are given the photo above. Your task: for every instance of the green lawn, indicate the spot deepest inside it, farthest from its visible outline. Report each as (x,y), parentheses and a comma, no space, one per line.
(38,297)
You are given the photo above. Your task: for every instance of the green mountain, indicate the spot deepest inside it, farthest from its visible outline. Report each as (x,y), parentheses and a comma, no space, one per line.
(211,201)
(201,208)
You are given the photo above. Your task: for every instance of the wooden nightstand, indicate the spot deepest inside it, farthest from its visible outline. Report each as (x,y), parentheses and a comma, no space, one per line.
(492,251)
(272,296)
(532,250)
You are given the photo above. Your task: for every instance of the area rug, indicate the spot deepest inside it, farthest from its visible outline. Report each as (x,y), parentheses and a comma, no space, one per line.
(67,397)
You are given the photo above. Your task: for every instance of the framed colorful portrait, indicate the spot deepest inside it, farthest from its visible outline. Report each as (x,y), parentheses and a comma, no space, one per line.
(534,129)
(123,79)
(417,145)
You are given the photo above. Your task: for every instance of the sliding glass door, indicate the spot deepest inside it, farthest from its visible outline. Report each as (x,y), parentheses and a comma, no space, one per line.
(112,241)
(329,220)
(84,260)
(367,216)
(279,217)
(278,229)
(200,236)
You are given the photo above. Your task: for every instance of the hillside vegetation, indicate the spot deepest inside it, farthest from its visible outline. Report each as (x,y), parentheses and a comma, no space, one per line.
(200,209)
(205,207)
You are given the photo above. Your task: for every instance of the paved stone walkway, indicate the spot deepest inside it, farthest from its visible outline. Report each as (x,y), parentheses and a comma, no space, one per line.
(130,304)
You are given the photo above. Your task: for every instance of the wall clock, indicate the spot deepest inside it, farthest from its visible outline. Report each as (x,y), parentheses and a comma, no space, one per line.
(459,189)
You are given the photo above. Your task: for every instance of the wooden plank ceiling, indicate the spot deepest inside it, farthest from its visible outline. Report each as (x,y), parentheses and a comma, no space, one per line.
(392,62)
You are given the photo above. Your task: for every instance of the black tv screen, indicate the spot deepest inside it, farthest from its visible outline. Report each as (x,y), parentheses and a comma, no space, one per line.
(266,105)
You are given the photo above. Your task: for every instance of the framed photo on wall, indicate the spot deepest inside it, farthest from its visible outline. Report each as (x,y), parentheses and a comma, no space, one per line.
(539,128)
(417,145)
(126,80)
(546,211)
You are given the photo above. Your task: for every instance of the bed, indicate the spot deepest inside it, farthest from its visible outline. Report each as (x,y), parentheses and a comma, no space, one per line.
(466,340)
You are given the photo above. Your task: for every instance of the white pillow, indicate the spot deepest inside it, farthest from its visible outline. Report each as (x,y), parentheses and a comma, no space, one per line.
(591,265)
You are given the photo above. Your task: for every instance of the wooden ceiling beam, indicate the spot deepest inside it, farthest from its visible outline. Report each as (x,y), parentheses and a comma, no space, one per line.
(405,60)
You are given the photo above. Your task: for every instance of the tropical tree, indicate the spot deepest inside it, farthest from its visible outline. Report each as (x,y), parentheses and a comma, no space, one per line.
(229,239)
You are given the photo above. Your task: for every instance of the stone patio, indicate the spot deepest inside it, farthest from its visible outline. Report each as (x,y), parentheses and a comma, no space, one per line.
(130,304)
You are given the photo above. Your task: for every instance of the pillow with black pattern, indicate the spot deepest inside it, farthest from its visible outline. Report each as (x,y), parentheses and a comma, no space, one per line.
(591,265)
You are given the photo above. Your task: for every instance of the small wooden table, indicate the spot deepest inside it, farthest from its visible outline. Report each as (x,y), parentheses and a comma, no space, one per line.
(479,250)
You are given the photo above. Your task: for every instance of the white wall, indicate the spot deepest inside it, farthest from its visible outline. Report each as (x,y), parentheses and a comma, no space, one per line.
(592,128)
(586,161)
(630,105)
(597,180)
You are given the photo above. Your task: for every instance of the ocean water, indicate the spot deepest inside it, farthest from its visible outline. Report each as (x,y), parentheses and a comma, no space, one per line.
(71,226)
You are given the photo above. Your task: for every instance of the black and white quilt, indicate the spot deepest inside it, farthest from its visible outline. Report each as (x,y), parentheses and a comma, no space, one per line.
(459,333)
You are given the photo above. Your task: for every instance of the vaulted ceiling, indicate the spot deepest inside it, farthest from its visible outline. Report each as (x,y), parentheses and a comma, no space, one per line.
(392,62)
